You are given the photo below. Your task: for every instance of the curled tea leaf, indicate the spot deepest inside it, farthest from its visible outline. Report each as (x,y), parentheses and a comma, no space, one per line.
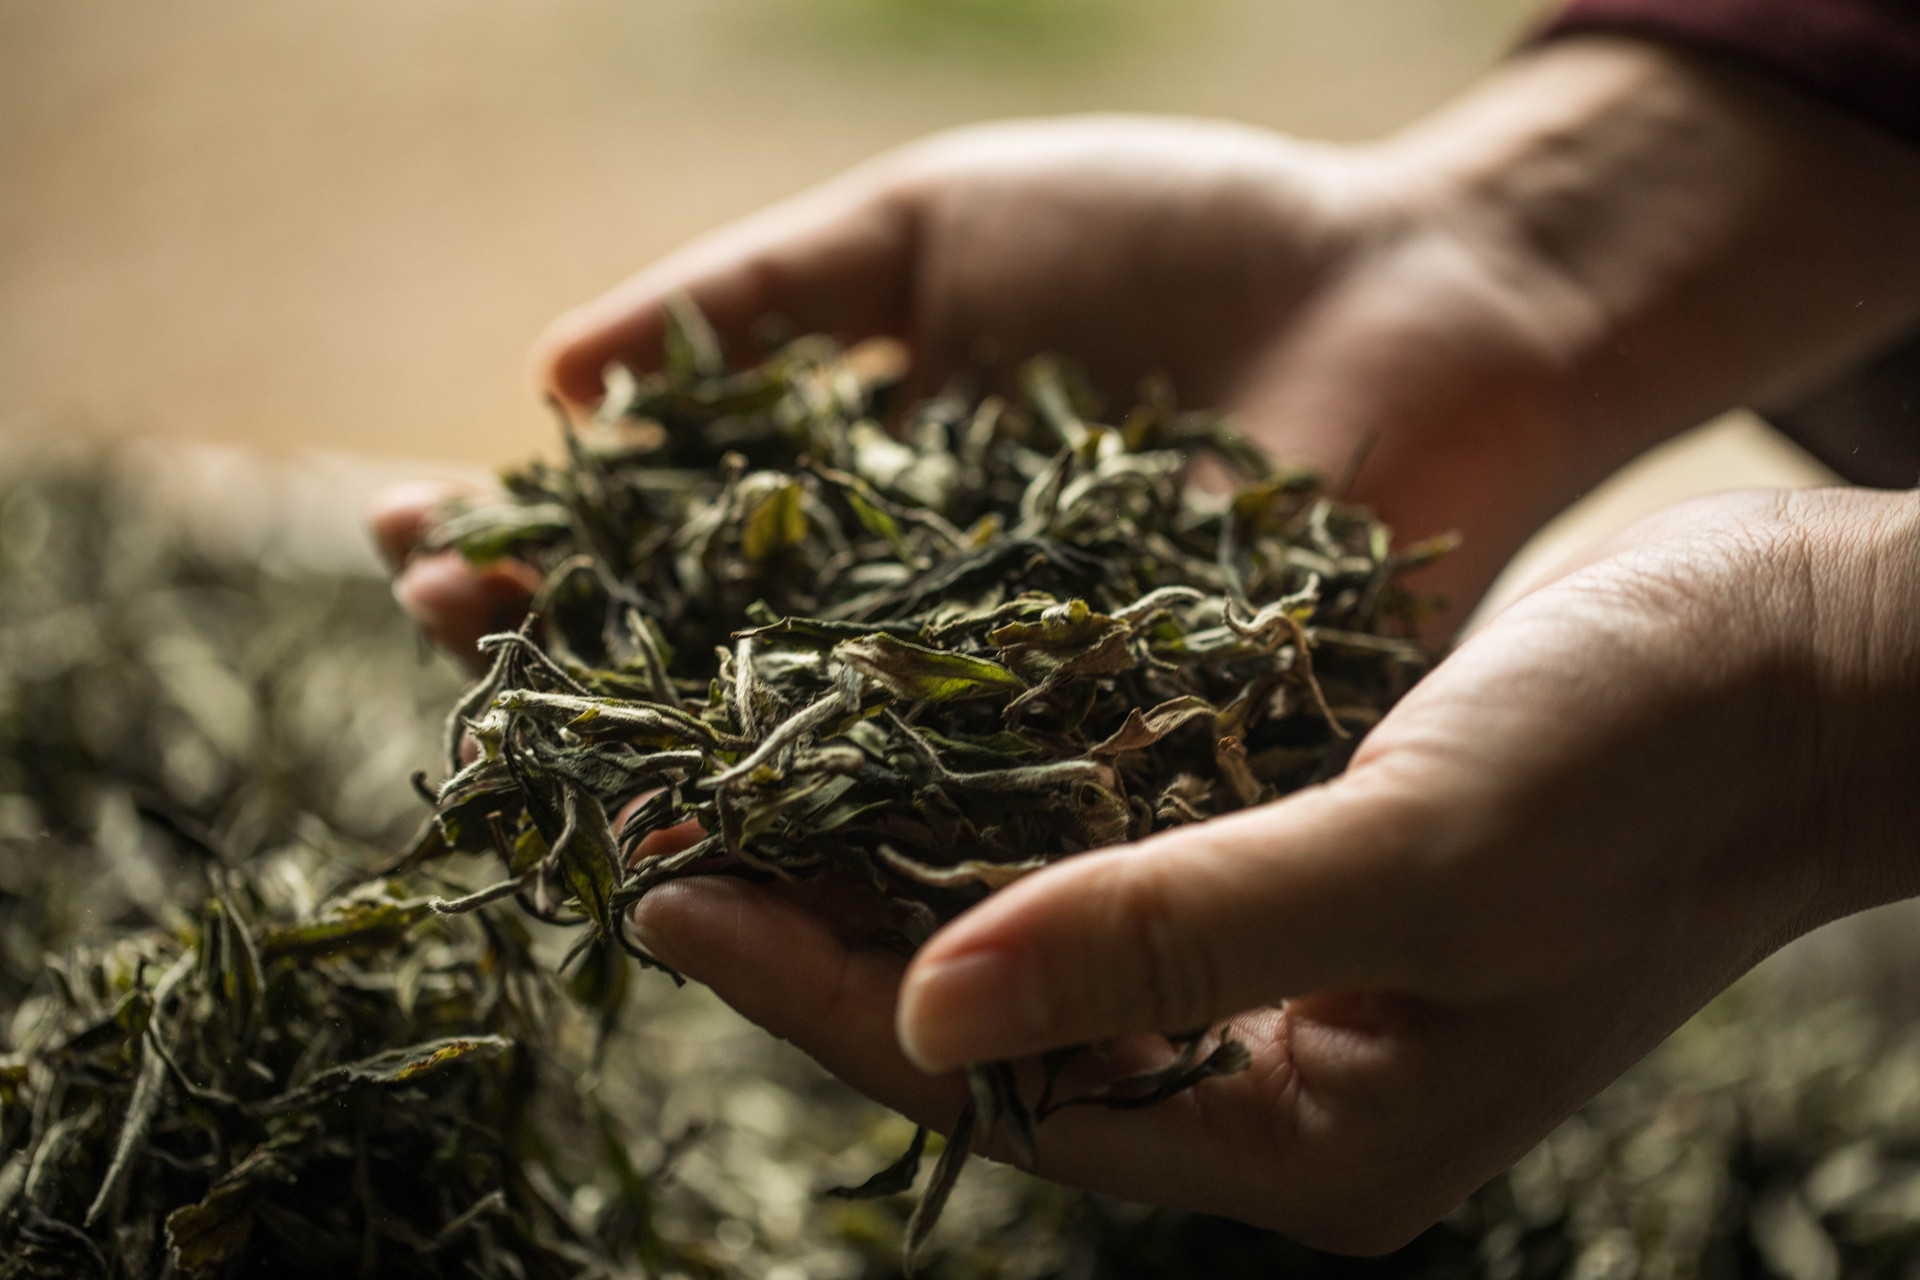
(920,674)
(895,1178)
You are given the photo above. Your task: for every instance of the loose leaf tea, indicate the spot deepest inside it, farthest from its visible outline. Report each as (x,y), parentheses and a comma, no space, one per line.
(237,1100)
(926,661)
(220,1069)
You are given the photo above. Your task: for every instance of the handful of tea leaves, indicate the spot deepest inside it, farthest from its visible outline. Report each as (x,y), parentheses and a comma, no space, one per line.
(929,662)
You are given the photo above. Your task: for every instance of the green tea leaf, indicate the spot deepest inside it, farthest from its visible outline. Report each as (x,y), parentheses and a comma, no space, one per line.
(357,924)
(775,525)
(921,674)
(392,1067)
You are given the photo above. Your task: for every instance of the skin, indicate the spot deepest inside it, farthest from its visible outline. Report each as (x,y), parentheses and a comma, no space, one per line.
(1599,810)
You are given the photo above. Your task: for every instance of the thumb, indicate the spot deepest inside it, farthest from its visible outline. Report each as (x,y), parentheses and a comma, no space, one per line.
(1314,892)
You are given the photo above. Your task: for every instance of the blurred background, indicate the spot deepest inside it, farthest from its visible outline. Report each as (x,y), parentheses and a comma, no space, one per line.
(338,225)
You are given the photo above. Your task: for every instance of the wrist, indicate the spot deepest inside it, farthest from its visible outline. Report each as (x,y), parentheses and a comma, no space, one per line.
(1694,234)
(1863,580)
(1770,640)
(1810,632)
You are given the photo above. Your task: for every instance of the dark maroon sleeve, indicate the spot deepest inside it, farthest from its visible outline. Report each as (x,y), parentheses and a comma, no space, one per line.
(1860,54)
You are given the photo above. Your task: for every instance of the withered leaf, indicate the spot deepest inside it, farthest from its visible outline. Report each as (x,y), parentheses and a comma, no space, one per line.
(946,1174)
(355,923)
(206,1236)
(1143,729)
(920,674)
(777,523)
(392,1067)
(973,871)
(1229,1057)
(895,1178)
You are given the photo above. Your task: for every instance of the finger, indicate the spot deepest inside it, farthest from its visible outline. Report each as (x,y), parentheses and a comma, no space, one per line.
(1316,892)
(456,602)
(785,968)
(663,843)
(834,260)
(401,515)
(789,971)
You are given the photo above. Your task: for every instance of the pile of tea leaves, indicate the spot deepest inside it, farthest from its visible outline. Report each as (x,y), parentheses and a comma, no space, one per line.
(319,1095)
(214,1064)
(928,663)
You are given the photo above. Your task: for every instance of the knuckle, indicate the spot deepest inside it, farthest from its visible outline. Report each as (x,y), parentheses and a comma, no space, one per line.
(1174,976)
(553,363)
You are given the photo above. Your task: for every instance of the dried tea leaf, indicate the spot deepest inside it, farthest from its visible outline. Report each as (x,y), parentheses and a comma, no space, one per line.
(394,1066)
(777,523)
(920,674)
(946,1175)
(895,1178)
(1143,729)
(1187,1069)
(355,923)
(207,1236)
(973,871)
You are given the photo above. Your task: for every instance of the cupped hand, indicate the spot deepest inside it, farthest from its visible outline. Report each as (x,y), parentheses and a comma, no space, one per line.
(1608,803)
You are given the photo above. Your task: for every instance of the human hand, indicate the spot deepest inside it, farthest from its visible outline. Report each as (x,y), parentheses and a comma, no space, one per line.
(1609,802)
(1508,301)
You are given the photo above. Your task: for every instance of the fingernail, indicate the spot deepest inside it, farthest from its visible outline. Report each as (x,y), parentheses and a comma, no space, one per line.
(975,1007)
(415,584)
(402,514)
(671,921)
(651,940)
